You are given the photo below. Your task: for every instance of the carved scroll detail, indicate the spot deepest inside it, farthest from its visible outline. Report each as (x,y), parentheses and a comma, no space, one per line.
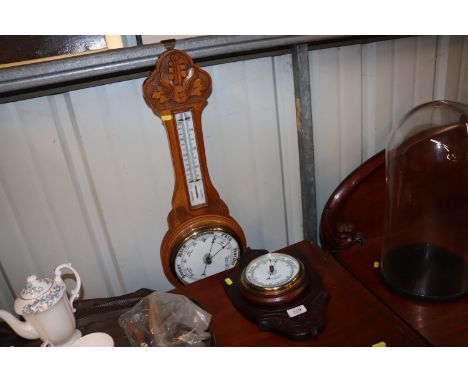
(176,81)
(346,235)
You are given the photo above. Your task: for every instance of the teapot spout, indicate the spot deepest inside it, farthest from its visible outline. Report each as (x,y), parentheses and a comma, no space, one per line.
(23,329)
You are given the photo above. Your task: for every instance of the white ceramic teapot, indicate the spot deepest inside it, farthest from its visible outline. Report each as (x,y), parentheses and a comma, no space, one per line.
(47,311)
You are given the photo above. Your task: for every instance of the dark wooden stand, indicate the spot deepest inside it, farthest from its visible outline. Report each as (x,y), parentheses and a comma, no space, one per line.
(275,317)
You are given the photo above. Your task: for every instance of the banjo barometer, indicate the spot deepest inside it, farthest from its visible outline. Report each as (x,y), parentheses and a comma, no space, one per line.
(202,238)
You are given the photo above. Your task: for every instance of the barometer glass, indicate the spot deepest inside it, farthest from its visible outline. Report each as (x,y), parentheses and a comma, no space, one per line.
(272,271)
(205,253)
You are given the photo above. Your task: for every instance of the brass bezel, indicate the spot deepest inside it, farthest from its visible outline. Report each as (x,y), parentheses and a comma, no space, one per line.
(198,231)
(275,291)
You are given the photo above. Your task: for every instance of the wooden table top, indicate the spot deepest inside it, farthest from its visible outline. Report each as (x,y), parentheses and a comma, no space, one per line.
(361,311)
(354,316)
(439,323)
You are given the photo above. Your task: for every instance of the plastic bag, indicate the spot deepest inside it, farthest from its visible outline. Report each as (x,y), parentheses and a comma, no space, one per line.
(166,319)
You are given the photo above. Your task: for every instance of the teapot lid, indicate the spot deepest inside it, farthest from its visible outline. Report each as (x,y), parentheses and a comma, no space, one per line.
(39,295)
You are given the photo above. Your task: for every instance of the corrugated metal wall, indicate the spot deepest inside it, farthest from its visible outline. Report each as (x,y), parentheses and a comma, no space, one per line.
(360,92)
(86,176)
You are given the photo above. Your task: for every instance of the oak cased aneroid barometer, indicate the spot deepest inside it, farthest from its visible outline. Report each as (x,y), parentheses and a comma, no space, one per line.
(281,292)
(202,237)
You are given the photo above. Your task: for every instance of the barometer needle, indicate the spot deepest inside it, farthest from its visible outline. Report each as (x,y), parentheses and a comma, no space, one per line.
(271,269)
(214,237)
(204,271)
(219,250)
(270,272)
(208,258)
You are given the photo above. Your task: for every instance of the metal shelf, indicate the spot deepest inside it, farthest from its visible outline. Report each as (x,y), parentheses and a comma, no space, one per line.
(56,76)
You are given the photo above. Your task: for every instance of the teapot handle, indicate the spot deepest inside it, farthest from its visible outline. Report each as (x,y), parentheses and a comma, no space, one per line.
(75,291)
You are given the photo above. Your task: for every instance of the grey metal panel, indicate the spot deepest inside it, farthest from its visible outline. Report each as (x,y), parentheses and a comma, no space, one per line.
(336,79)
(300,61)
(86,177)
(7,294)
(360,92)
(51,77)
(129,40)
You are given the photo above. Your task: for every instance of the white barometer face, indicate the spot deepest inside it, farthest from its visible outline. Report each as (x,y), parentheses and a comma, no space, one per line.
(204,254)
(272,271)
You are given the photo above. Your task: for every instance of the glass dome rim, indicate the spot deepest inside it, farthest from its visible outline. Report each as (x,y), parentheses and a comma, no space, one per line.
(455,105)
(459,107)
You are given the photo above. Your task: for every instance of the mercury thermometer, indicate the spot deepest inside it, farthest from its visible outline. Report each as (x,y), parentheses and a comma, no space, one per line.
(189,150)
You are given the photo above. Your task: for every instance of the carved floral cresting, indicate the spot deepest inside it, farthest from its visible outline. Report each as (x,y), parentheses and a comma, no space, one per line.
(176,80)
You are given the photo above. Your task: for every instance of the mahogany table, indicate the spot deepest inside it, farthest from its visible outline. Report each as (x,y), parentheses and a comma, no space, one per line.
(361,310)
(440,324)
(351,228)
(354,315)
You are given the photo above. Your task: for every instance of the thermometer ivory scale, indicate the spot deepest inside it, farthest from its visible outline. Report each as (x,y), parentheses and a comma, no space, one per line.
(189,150)
(202,237)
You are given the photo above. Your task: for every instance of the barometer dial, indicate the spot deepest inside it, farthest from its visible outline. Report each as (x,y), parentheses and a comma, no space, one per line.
(272,272)
(205,253)
(279,292)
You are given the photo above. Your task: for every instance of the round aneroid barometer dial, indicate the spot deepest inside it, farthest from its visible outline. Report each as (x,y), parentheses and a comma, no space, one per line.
(205,253)
(273,273)
(280,292)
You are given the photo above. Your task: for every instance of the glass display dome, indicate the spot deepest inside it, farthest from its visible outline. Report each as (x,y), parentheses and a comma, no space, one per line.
(425,237)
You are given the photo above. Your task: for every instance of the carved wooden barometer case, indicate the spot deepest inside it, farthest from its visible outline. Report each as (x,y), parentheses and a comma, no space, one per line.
(202,238)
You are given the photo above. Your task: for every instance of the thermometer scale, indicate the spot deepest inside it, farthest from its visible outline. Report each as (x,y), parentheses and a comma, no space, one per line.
(189,149)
